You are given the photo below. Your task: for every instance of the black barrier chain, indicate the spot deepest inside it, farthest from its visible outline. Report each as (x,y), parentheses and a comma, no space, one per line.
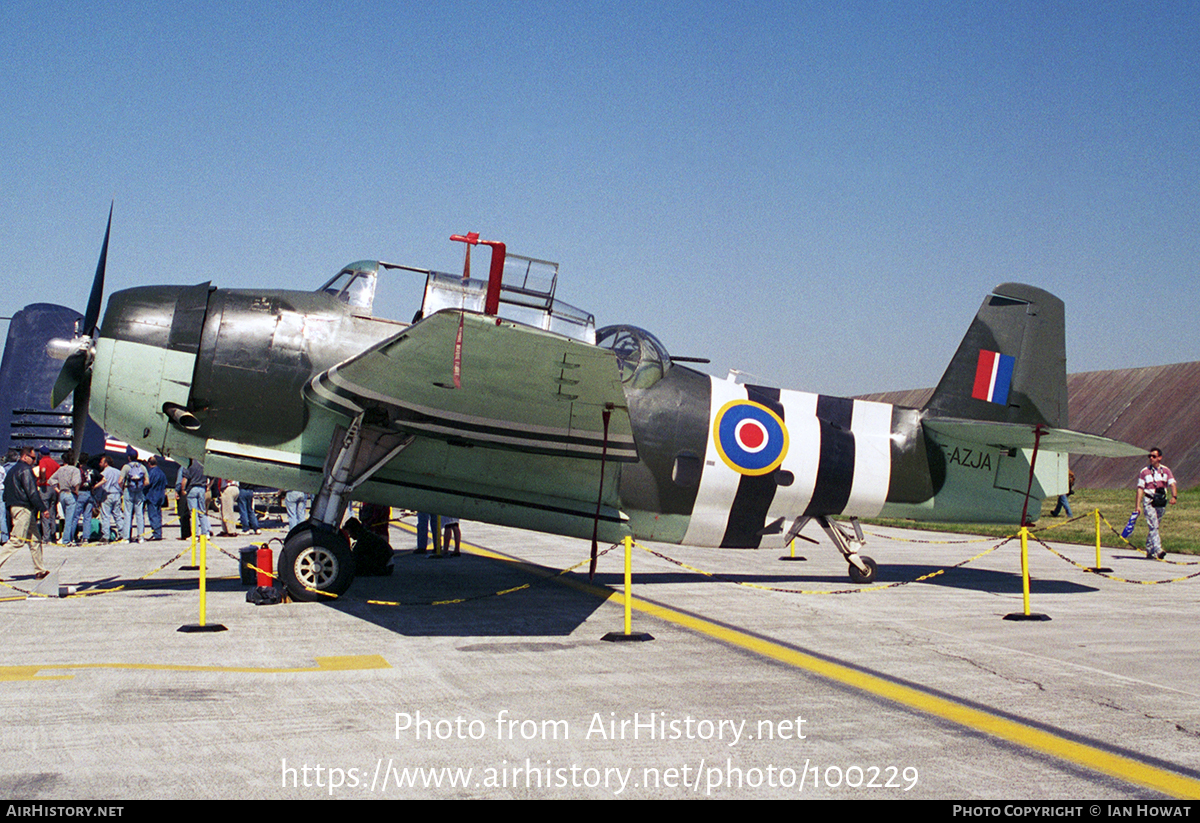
(94,592)
(1090,570)
(1066,522)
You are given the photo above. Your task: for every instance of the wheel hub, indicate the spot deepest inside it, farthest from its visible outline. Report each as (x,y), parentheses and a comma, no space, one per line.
(316,567)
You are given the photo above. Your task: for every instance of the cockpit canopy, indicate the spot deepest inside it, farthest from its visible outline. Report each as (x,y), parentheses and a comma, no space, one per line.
(355,284)
(641,357)
(526,294)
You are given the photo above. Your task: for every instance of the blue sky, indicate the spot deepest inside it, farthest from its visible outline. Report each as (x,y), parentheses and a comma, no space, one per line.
(817,193)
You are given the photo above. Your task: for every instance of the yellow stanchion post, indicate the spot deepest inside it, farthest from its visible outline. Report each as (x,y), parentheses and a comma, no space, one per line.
(1025,614)
(1025,569)
(628,634)
(1098,567)
(628,584)
(791,555)
(204,578)
(437,538)
(203,625)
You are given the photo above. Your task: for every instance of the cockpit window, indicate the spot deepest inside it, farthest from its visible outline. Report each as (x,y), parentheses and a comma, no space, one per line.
(641,358)
(355,285)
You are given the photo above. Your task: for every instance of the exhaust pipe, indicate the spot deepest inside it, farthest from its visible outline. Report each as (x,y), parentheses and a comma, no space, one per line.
(181,418)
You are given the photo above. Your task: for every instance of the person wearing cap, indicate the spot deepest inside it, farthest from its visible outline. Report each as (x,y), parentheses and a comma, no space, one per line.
(156,496)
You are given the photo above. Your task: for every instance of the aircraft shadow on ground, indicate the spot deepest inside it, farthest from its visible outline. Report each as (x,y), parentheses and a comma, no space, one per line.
(547,607)
(422,586)
(987,580)
(462,596)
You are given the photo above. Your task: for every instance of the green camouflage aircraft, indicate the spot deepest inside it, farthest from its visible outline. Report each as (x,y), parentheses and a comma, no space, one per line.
(501,404)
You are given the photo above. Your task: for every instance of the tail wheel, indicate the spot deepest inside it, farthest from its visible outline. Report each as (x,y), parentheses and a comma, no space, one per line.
(858,575)
(316,565)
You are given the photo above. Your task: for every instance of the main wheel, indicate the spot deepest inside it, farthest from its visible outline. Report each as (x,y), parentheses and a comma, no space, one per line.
(316,564)
(857,575)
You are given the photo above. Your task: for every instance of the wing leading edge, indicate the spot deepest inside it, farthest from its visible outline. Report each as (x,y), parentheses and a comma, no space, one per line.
(522,388)
(521,442)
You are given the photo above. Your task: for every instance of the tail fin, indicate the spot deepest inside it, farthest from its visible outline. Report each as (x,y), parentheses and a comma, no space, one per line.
(1011,366)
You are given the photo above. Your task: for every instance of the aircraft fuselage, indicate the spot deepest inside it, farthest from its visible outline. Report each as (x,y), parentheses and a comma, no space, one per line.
(220,376)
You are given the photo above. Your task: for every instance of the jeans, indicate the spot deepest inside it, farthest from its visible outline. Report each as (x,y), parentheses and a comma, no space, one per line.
(1063,503)
(245,506)
(70,505)
(135,506)
(82,511)
(111,523)
(296,504)
(195,498)
(154,512)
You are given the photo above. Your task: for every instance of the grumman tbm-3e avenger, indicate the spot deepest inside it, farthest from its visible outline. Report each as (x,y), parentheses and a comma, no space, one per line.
(500,403)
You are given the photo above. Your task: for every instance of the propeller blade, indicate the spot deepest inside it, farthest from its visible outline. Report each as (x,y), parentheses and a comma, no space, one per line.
(93,307)
(79,414)
(73,372)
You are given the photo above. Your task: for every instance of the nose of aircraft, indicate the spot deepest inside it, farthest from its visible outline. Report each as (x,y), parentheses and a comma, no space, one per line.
(145,359)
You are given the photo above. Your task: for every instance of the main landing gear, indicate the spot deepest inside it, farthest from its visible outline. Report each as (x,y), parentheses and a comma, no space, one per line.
(316,562)
(862,568)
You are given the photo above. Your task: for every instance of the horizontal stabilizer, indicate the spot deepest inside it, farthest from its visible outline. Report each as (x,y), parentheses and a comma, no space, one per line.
(1022,436)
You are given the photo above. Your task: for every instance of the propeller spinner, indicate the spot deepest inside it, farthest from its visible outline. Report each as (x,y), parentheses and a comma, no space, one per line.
(78,353)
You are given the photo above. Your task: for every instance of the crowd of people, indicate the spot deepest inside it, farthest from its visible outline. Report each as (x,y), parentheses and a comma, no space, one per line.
(74,501)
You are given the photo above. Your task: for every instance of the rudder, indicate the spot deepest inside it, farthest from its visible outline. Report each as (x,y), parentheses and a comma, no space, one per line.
(1011,366)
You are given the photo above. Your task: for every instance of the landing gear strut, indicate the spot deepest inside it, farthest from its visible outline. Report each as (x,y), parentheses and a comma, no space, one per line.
(862,568)
(316,562)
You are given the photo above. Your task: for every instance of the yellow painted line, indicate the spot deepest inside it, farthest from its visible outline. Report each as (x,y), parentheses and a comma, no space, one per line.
(1014,731)
(324,664)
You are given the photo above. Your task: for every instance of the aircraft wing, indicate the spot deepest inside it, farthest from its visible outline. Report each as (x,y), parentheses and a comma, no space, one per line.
(522,388)
(1021,436)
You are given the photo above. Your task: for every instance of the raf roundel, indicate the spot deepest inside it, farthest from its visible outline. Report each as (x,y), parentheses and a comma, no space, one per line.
(750,438)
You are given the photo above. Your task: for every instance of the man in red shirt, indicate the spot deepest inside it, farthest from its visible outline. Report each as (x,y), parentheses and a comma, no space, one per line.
(46,467)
